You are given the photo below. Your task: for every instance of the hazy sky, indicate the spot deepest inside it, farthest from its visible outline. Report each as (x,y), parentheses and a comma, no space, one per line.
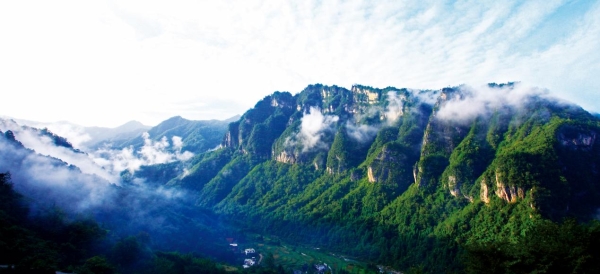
(107,62)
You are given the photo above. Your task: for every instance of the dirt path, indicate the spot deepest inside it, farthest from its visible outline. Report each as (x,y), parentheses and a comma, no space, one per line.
(260,259)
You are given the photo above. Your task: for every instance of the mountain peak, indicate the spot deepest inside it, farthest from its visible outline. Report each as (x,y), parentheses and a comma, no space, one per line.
(132,125)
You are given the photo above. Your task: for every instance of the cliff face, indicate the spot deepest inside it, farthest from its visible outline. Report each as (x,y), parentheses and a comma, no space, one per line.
(454,140)
(394,163)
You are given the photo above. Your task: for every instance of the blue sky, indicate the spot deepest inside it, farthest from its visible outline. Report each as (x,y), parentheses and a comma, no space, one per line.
(107,62)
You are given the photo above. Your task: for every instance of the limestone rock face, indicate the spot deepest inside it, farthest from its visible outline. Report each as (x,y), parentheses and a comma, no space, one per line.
(507,192)
(483,194)
(284,157)
(453,186)
(380,168)
(368,96)
(370,175)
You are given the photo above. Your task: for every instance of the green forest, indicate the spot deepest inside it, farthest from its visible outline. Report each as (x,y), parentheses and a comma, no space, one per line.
(388,177)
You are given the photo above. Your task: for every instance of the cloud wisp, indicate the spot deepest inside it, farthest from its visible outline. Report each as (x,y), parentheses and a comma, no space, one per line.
(361,133)
(470,102)
(312,128)
(48,179)
(151,153)
(50,183)
(395,107)
(43,144)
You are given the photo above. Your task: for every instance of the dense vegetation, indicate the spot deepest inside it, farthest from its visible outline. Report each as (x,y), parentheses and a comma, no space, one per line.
(389,176)
(413,190)
(50,240)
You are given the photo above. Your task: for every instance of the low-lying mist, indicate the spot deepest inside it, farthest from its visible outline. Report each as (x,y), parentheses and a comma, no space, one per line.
(89,185)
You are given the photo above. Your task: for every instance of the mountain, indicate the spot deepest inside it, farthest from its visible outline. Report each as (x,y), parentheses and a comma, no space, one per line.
(197,136)
(102,135)
(409,178)
(60,210)
(87,137)
(499,179)
(36,133)
(43,177)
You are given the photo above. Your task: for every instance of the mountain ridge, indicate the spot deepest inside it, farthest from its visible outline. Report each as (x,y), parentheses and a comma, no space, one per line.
(402,177)
(368,162)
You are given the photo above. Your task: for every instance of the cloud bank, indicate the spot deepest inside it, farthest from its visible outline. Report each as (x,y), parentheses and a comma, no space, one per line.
(50,180)
(77,188)
(312,128)
(482,101)
(170,51)
(105,162)
(152,153)
(395,107)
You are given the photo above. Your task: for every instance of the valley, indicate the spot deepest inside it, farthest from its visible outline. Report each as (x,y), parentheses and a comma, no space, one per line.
(307,259)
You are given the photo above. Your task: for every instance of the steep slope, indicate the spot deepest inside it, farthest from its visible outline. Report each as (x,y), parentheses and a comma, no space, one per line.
(413,177)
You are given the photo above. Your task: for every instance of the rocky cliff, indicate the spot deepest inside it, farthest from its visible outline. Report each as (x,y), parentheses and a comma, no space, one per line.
(450,138)
(404,165)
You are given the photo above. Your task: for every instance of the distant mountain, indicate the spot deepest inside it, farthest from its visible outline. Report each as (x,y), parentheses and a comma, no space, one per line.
(197,136)
(405,177)
(102,135)
(46,178)
(53,199)
(88,137)
(43,142)
(36,133)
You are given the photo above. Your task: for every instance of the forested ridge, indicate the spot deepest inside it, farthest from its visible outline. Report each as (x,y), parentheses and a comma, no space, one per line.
(498,179)
(395,177)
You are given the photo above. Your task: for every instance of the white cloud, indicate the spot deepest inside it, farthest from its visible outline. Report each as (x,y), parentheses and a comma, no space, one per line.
(151,153)
(50,182)
(361,133)
(314,125)
(105,162)
(46,179)
(395,106)
(177,142)
(103,55)
(482,101)
(44,145)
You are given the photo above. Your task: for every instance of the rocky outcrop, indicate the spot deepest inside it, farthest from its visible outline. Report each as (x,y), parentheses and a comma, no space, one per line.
(370,175)
(232,138)
(393,166)
(365,95)
(508,193)
(415,172)
(453,186)
(483,194)
(228,140)
(285,157)
(379,169)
